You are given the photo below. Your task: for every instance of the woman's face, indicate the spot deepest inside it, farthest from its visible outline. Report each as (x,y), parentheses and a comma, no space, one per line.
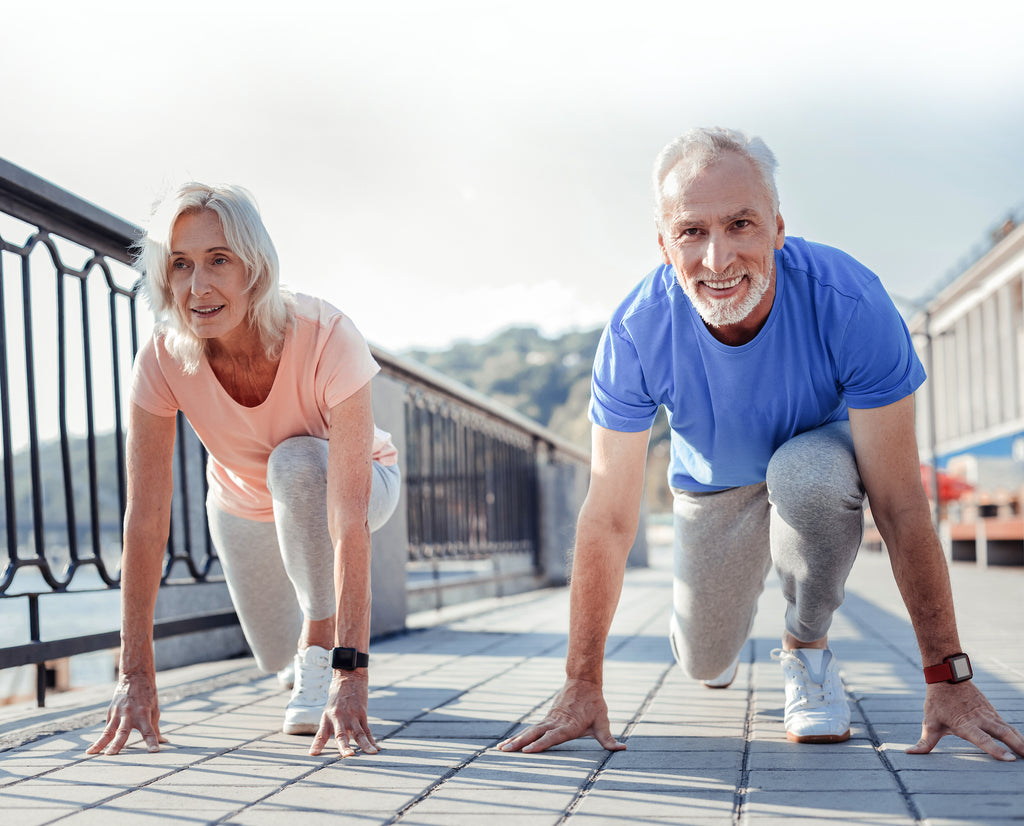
(208,280)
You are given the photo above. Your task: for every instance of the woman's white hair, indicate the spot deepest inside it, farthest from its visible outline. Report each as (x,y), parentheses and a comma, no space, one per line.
(270,308)
(700,148)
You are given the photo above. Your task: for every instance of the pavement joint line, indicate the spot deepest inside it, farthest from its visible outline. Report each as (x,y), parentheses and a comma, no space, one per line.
(748,726)
(876,743)
(596,771)
(313,770)
(396,818)
(144,784)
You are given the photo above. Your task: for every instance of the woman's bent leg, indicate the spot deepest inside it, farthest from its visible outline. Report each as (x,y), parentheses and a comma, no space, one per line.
(262,595)
(297,479)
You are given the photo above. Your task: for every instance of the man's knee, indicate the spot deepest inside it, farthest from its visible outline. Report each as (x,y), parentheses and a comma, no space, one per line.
(813,475)
(698,663)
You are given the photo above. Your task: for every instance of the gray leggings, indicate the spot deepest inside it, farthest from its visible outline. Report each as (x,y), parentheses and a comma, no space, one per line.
(279,572)
(807,519)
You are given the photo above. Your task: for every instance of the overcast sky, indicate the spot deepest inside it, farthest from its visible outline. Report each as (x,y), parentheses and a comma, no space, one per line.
(444,169)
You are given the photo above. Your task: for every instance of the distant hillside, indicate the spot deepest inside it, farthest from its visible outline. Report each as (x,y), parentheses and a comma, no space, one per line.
(547,379)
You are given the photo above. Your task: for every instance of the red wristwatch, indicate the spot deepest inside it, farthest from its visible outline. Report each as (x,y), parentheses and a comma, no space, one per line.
(956,668)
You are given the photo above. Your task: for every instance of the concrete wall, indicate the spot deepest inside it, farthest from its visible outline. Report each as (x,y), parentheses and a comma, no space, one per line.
(563,487)
(219,644)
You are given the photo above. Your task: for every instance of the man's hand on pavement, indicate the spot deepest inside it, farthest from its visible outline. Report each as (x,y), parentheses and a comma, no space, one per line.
(962,709)
(578,710)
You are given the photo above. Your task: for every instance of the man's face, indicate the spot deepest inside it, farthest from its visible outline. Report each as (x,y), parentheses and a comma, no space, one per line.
(720,231)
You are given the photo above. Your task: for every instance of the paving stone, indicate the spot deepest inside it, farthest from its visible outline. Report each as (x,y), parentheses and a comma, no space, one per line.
(680,803)
(985,807)
(831,804)
(773,780)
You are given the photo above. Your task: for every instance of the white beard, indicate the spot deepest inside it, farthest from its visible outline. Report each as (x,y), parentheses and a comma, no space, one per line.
(720,313)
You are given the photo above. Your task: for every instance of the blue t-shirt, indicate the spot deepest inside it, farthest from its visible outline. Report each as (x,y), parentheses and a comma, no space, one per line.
(833,339)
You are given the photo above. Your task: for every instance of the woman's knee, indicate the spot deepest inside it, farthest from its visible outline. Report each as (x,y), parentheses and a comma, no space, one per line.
(298,464)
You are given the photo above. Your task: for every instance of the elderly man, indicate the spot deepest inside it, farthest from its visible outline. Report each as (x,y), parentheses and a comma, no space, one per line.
(788,377)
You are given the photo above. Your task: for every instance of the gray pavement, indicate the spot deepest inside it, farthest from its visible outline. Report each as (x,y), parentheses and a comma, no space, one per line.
(445,694)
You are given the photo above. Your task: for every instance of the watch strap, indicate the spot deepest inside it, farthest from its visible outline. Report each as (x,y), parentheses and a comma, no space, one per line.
(349,659)
(945,672)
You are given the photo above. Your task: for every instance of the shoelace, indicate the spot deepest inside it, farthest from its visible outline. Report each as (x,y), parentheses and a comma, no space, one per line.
(811,698)
(312,681)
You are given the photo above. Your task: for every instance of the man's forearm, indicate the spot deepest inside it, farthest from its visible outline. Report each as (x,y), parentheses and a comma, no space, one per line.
(922,575)
(599,564)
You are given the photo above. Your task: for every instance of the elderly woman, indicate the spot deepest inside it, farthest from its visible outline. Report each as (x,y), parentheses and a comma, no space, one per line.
(277,386)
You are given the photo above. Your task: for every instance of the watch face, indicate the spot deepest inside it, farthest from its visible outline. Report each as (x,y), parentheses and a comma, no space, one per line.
(961,667)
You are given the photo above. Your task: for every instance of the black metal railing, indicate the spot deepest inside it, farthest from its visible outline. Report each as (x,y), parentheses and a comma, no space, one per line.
(68,300)
(69,331)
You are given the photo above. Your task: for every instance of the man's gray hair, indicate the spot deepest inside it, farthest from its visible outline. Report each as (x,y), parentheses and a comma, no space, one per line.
(701,147)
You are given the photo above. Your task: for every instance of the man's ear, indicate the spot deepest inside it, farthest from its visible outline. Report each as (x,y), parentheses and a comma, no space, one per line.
(780,232)
(664,252)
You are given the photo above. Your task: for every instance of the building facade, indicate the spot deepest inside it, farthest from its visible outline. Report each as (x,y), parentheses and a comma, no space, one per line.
(970,336)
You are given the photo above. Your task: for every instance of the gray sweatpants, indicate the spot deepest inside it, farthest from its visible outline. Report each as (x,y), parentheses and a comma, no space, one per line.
(807,519)
(279,572)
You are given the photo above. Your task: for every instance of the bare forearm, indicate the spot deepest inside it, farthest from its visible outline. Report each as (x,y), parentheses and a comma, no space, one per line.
(352,589)
(141,568)
(920,570)
(599,564)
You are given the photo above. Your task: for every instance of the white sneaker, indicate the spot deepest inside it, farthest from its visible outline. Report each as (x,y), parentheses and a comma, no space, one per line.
(312,684)
(724,680)
(816,707)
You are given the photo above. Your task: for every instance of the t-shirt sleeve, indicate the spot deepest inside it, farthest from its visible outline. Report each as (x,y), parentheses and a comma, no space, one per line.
(879,365)
(618,393)
(150,389)
(345,364)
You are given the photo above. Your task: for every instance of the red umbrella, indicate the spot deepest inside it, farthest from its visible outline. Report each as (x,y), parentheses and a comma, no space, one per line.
(951,488)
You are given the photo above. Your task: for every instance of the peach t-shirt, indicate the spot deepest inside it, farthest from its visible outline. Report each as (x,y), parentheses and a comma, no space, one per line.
(324,361)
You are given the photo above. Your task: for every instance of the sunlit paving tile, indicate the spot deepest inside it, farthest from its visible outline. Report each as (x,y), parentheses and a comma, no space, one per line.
(825,804)
(674,803)
(169,796)
(703,779)
(459,729)
(16,765)
(46,793)
(38,816)
(861,780)
(493,802)
(705,758)
(124,775)
(340,798)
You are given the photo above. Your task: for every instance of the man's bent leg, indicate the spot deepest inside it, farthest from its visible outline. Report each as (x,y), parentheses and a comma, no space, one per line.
(721,559)
(817,522)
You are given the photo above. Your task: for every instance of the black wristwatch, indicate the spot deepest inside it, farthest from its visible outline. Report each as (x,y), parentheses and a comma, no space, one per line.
(348,659)
(956,668)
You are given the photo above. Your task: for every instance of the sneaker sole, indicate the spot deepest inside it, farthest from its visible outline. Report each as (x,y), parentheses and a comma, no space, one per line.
(718,686)
(818,738)
(300,728)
